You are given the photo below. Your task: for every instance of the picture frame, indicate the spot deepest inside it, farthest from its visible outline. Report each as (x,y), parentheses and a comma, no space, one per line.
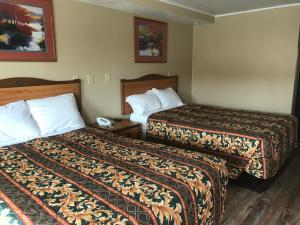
(27,31)
(150,41)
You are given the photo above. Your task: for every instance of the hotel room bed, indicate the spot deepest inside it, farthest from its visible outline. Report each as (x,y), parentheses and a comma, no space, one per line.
(90,176)
(255,142)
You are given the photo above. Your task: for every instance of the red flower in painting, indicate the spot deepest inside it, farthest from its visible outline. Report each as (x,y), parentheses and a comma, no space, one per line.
(27,31)
(154,31)
(14,26)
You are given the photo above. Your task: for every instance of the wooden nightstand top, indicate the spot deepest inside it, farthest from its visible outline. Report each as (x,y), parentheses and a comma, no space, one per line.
(119,125)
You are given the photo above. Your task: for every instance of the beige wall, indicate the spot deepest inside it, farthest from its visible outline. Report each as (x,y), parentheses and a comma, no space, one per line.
(97,40)
(247,61)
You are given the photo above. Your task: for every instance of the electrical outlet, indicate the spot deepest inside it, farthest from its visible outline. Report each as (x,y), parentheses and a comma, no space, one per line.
(90,78)
(75,77)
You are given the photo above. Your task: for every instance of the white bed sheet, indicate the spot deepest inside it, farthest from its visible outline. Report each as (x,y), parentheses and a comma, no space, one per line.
(142,118)
(24,140)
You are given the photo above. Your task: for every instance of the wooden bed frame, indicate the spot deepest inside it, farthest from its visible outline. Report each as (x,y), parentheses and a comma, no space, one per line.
(24,88)
(143,84)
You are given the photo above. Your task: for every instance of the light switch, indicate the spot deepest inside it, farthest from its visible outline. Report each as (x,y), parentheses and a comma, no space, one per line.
(107,78)
(90,78)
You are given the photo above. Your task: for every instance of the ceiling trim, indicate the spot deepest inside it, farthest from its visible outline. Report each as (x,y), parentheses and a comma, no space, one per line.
(186,7)
(256,10)
(174,9)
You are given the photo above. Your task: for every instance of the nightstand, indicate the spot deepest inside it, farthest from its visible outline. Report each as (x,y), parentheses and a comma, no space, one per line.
(123,127)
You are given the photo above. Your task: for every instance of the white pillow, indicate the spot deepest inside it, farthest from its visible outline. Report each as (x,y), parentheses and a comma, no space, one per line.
(16,124)
(142,103)
(56,115)
(168,98)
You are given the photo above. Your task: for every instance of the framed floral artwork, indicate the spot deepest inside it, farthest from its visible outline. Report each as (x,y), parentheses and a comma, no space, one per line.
(27,30)
(151,39)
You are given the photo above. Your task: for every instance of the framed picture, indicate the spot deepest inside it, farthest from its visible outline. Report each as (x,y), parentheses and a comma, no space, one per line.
(150,41)
(26,30)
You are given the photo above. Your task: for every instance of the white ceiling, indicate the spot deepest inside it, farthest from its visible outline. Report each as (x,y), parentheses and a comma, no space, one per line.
(220,7)
(189,11)
(146,8)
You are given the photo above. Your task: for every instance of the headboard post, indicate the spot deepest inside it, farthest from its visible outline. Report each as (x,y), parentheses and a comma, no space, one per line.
(26,88)
(142,84)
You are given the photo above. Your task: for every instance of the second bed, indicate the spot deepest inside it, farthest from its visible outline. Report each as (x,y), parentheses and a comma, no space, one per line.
(255,142)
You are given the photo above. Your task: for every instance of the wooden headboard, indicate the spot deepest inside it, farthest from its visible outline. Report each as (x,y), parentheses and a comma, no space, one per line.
(143,84)
(24,88)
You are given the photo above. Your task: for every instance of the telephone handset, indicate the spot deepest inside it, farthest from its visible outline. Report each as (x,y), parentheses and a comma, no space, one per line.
(104,122)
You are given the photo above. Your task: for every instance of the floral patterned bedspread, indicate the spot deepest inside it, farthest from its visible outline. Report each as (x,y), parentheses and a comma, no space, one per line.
(255,142)
(90,176)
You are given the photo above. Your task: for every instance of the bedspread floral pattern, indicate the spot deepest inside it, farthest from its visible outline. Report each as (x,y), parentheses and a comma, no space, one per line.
(94,177)
(255,142)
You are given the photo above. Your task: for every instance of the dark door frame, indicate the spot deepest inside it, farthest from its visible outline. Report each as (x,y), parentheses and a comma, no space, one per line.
(296,96)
